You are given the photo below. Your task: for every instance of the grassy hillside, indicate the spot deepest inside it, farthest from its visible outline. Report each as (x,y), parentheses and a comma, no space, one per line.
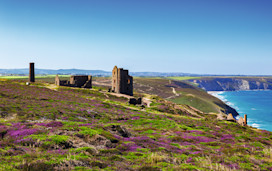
(44,127)
(186,93)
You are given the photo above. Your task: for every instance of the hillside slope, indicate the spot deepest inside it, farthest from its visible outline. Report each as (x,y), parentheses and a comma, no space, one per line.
(183,93)
(44,127)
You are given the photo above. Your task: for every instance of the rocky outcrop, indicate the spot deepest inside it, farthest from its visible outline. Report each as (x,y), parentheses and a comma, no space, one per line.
(234,84)
(119,130)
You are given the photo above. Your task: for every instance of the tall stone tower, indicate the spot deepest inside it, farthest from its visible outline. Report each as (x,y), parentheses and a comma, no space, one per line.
(31,72)
(121,81)
(245,119)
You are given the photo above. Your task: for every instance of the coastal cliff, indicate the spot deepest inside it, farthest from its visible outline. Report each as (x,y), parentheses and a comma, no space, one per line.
(234,84)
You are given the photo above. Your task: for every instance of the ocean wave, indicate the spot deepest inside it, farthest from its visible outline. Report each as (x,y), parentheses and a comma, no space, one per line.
(256,125)
(220,95)
(237,117)
(250,120)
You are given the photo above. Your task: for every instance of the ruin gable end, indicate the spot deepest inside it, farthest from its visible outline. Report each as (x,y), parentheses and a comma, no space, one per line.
(57,80)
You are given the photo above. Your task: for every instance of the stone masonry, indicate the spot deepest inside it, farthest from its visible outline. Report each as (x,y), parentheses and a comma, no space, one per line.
(81,81)
(243,121)
(31,72)
(122,82)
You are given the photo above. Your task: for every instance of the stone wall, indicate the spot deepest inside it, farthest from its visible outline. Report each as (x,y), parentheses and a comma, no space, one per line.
(81,81)
(121,81)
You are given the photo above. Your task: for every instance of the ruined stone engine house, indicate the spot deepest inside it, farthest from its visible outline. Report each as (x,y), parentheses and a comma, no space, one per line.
(81,81)
(121,81)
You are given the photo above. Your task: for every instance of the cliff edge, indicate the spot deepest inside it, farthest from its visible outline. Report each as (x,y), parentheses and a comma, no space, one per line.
(234,84)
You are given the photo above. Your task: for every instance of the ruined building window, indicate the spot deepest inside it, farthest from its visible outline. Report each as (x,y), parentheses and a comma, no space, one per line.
(128,81)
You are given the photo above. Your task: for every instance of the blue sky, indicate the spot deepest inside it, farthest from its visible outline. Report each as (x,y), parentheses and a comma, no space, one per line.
(192,36)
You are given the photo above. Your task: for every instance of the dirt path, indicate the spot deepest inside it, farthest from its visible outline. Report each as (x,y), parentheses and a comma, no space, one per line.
(174,91)
(122,95)
(175,94)
(147,101)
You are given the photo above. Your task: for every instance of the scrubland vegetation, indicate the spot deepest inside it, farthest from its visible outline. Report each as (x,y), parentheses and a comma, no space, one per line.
(45,127)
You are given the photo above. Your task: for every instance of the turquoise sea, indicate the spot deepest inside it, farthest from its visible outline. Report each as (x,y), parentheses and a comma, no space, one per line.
(256,104)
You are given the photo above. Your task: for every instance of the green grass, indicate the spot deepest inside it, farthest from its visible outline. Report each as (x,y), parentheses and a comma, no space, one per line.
(183,78)
(197,103)
(88,131)
(54,139)
(189,94)
(37,76)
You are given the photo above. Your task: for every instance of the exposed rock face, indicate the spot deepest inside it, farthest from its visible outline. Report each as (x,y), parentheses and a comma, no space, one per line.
(69,165)
(244,85)
(99,142)
(96,142)
(233,84)
(120,130)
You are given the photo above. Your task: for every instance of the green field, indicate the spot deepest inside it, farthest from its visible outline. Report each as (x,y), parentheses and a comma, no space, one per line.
(37,76)
(204,105)
(183,78)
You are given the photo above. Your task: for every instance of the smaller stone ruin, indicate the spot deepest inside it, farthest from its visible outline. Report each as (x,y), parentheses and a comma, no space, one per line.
(80,81)
(135,101)
(241,121)
(221,117)
(231,118)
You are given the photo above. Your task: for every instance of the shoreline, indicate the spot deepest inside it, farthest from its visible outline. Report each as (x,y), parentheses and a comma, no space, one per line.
(252,121)
(218,95)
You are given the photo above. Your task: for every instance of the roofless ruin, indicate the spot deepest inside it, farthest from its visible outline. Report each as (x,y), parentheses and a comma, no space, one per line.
(121,81)
(81,81)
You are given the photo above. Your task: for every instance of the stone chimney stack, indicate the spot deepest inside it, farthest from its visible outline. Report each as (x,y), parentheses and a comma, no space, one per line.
(245,118)
(31,72)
